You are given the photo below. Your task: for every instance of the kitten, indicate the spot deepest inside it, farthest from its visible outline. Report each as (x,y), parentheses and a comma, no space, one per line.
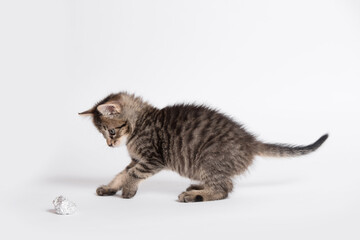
(194,141)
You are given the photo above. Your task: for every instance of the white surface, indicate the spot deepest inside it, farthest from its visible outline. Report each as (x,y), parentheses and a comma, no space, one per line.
(288,71)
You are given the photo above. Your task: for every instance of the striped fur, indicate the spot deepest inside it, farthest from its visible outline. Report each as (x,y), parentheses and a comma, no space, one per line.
(194,141)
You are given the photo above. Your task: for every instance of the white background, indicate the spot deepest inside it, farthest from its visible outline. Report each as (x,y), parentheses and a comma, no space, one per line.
(288,70)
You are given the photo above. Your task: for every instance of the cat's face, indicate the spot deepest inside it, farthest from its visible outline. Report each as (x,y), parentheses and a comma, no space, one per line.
(114,131)
(106,118)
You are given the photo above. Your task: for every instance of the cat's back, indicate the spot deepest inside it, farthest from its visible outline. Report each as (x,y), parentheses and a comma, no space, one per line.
(182,117)
(190,116)
(185,125)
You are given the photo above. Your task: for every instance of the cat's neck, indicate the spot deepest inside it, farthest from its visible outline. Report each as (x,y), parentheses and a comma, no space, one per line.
(134,108)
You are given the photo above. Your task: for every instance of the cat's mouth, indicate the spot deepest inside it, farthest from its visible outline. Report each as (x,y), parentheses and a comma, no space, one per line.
(113,144)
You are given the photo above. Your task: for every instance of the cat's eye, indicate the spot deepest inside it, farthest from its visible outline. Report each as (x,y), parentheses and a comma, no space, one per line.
(112,132)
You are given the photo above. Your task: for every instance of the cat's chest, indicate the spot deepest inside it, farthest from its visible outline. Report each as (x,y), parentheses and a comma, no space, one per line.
(134,151)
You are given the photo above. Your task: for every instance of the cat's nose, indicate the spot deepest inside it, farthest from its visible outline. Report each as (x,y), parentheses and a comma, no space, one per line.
(110,144)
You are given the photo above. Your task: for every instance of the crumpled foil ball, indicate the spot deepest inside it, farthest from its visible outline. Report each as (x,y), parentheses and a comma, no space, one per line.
(63,206)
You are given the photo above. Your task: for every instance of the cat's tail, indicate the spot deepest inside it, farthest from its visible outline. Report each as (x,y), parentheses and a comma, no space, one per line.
(285,150)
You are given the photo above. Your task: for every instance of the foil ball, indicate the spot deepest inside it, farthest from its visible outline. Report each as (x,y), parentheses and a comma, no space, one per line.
(63,206)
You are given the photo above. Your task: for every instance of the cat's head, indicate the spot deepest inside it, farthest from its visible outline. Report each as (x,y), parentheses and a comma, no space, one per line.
(109,118)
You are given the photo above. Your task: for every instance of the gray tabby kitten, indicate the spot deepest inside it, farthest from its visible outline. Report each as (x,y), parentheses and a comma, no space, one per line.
(194,141)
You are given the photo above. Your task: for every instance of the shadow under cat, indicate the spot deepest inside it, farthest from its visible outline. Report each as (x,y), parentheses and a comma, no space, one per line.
(158,185)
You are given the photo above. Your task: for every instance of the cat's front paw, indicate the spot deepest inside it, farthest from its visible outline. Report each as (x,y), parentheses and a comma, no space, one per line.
(128,192)
(105,191)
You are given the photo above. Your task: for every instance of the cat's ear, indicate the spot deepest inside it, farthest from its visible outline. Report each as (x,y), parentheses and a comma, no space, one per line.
(89,112)
(109,108)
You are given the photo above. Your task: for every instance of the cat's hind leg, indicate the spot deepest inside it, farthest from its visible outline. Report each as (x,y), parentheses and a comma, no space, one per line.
(195,187)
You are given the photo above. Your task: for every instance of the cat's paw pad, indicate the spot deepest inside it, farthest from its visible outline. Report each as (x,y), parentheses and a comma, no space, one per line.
(190,197)
(105,191)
